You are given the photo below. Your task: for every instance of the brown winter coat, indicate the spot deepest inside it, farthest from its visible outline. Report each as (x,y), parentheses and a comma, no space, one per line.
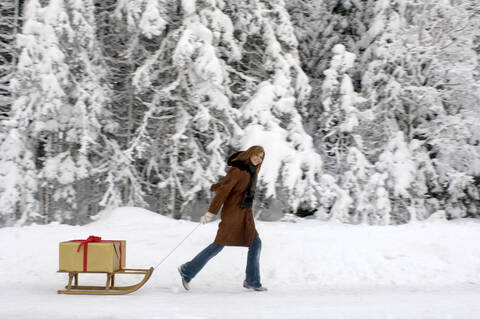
(237,227)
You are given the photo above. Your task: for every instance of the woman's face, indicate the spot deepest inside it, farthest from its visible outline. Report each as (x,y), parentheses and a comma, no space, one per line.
(257,158)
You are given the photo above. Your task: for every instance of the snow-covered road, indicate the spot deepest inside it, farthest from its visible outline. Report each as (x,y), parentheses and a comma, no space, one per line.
(229,301)
(312,270)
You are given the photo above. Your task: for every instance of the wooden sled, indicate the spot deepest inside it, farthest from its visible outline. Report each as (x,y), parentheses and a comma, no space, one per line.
(109,288)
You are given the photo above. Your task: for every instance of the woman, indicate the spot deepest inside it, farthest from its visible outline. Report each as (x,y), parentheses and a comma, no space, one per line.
(235,192)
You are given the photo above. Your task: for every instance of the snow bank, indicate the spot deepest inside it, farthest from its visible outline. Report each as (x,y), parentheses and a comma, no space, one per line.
(308,252)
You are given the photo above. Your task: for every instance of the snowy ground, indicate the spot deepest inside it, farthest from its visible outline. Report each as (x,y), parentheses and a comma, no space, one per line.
(312,270)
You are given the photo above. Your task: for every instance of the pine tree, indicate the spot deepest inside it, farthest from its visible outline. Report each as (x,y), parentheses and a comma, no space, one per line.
(207,61)
(398,166)
(355,204)
(382,49)
(319,26)
(338,123)
(10,20)
(410,55)
(450,73)
(60,108)
(118,38)
(19,181)
(421,80)
(276,91)
(322,24)
(179,123)
(339,141)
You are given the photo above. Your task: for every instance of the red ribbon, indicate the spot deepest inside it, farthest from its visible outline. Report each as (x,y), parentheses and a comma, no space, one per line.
(90,239)
(94,239)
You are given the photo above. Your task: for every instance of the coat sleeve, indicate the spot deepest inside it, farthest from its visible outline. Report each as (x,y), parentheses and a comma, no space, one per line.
(222,190)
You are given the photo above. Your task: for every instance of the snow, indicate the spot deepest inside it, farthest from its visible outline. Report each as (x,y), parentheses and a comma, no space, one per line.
(395,159)
(152,24)
(188,6)
(313,269)
(342,59)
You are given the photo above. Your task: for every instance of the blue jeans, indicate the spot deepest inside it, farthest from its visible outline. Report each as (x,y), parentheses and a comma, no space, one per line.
(190,269)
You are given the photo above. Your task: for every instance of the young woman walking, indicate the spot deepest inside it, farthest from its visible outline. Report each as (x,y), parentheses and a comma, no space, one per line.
(235,192)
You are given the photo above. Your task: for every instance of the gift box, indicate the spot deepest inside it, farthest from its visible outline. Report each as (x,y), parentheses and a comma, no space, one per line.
(92,255)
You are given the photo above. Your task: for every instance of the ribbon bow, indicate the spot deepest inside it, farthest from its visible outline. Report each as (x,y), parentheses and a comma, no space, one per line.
(90,239)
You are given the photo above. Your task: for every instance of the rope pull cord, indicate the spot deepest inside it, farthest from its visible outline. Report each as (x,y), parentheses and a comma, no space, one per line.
(165,258)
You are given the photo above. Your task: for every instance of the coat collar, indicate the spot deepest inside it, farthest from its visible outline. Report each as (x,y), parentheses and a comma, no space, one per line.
(241,165)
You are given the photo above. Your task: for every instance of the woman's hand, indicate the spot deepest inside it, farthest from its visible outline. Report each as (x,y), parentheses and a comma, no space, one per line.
(207,217)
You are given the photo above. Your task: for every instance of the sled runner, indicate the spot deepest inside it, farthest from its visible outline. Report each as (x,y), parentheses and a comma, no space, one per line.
(109,288)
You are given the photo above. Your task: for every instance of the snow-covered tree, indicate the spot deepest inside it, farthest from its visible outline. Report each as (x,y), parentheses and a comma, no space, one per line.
(19,186)
(337,125)
(184,124)
(357,192)
(419,70)
(420,76)
(319,26)
(322,24)
(382,50)
(398,168)
(450,78)
(119,40)
(211,63)
(59,112)
(338,139)
(276,91)
(118,102)
(10,20)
